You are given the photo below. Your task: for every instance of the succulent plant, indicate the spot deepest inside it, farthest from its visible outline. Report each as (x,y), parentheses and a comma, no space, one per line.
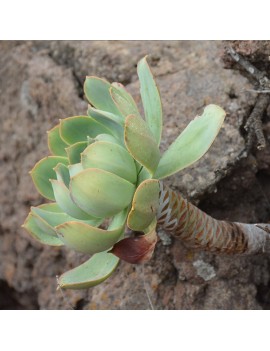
(103,176)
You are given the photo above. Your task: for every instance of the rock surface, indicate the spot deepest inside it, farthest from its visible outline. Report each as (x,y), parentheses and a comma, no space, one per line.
(41,82)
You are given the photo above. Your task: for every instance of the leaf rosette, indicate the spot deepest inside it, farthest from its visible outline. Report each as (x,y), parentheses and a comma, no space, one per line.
(103,176)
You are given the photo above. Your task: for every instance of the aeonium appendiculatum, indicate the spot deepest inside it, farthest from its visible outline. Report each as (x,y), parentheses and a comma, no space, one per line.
(103,175)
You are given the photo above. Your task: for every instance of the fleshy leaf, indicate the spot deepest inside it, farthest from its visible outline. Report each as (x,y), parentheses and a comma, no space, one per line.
(123,100)
(87,239)
(101,193)
(40,235)
(52,218)
(110,157)
(78,128)
(140,143)
(144,205)
(62,174)
(53,215)
(110,121)
(75,150)
(64,200)
(109,138)
(150,99)
(43,225)
(98,94)
(47,219)
(192,143)
(75,169)
(143,175)
(43,171)
(51,207)
(92,272)
(55,143)
(138,249)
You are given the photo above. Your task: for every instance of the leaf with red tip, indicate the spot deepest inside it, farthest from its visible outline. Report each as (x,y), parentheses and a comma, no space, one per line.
(123,100)
(144,205)
(136,250)
(141,143)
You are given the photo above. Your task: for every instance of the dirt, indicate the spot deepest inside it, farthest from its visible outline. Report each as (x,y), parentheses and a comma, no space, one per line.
(41,82)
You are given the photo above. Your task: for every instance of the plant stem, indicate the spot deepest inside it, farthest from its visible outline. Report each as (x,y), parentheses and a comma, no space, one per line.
(254,122)
(254,72)
(199,230)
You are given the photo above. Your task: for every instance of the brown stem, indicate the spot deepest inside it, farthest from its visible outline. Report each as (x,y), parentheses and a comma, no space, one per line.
(254,122)
(199,230)
(254,72)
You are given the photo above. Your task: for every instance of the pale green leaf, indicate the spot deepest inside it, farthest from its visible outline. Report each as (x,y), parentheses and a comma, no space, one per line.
(151,99)
(65,202)
(47,220)
(109,138)
(192,143)
(75,169)
(93,272)
(97,91)
(87,239)
(143,175)
(101,193)
(110,157)
(140,143)
(112,122)
(51,207)
(62,174)
(43,172)
(123,100)
(144,205)
(78,128)
(55,143)
(74,151)
(38,234)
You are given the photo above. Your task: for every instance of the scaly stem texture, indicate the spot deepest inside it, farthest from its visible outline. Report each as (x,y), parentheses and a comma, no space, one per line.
(199,230)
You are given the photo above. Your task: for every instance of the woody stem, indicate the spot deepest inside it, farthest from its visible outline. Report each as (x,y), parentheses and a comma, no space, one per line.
(199,230)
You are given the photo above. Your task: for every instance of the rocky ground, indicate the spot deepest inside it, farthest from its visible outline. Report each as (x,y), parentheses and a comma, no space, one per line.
(41,82)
